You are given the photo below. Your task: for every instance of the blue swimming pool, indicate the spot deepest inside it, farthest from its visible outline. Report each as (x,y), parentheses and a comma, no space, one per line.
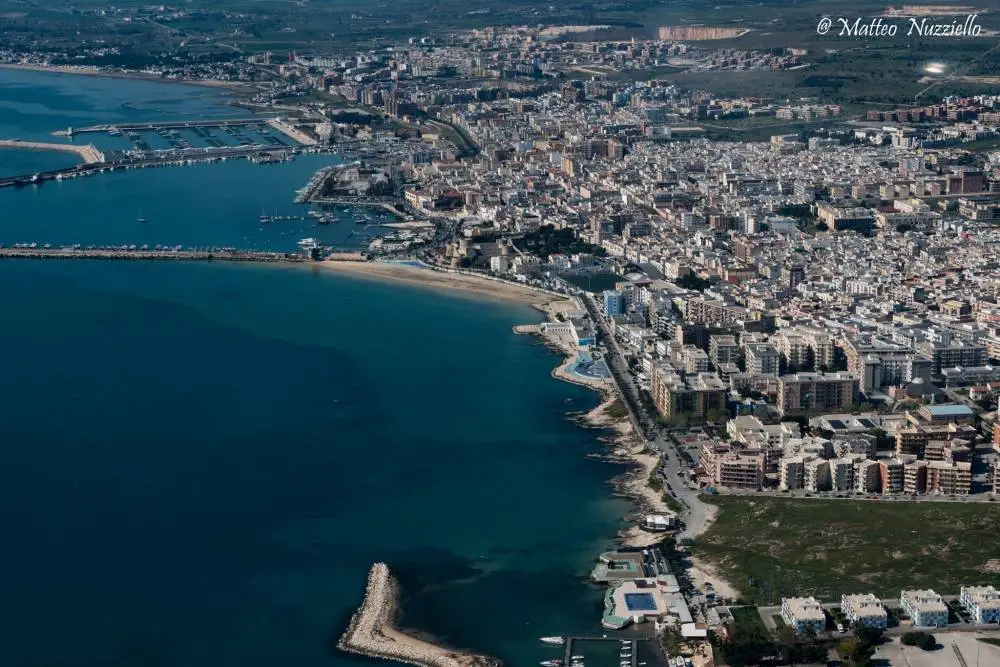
(640,602)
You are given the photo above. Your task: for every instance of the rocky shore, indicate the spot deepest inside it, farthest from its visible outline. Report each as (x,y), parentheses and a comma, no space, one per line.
(372,632)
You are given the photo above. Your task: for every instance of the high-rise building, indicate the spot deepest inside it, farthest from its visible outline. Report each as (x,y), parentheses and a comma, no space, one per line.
(812,393)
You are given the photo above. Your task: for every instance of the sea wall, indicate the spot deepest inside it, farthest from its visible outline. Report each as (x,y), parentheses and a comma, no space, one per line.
(372,632)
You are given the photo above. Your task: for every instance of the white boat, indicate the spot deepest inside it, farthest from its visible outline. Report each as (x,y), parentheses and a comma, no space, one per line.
(576,657)
(553,640)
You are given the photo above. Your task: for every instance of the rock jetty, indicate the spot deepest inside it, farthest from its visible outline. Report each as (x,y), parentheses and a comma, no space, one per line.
(372,631)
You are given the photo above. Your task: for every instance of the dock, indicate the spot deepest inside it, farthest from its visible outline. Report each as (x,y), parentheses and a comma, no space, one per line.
(88,153)
(633,646)
(150,254)
(164,125)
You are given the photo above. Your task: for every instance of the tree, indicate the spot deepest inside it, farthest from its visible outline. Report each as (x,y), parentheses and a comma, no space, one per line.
(924,640)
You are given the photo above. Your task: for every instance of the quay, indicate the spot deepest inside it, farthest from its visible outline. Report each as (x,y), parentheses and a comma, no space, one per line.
(129,253)
(163,125)
(89,153)
(371,631)
(151,159)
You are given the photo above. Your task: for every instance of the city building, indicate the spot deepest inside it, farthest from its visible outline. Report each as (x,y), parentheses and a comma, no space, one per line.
(982,603)
(925,608)
(805,393)
(864,610)
(803,614)
(614,303)
(694,397)
(761,358)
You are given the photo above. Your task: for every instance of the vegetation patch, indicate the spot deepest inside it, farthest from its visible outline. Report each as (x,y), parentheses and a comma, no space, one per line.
(780,547)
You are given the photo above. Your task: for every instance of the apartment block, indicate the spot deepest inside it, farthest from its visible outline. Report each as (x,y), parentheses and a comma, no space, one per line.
(867,476)
(804,393)
(761,358)
(842,474)
(723,350)
(817,475)
(891,473)
(791,473)
(864,610)
(915,477)
(925,608)
(982,603)
(951,478)
(738,471)
(694,397)
(803,614)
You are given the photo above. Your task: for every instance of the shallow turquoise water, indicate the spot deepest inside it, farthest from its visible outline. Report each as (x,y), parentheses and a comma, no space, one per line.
(202,460)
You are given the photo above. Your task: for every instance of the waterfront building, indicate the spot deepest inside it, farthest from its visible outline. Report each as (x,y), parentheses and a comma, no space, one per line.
(925,608)
(803,614)
(695,396)
(864,610)
(982,603)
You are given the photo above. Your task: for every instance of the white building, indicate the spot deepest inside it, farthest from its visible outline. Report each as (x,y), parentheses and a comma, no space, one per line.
(864,610)
(791,473)
(982,603)
(817,475)
(867,476)
(842,474)
(803,614)
(925,608)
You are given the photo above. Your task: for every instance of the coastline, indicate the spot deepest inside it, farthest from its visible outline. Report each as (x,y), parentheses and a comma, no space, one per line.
(624,446)
(372,631)
(436,279)
(233,86)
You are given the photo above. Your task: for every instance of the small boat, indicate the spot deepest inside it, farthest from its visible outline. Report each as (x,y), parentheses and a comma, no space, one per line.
(576,657)
(553,640)
(550,663)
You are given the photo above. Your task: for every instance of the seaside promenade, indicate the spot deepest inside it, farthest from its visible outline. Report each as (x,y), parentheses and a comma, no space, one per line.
(372,633)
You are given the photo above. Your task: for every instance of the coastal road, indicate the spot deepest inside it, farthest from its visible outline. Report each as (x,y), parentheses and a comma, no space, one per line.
(696,513)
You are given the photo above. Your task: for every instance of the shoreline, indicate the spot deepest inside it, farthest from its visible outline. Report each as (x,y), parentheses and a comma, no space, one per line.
(232,86)
(372,631)
(431,278)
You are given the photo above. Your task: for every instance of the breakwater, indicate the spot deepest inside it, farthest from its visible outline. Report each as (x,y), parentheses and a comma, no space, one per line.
(372,632)
(88,153)
(127,253)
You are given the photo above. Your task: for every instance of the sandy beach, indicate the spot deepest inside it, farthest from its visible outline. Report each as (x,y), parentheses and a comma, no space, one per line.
(431,279)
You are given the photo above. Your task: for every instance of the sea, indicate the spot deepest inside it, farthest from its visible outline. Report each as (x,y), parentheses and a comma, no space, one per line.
(200,462)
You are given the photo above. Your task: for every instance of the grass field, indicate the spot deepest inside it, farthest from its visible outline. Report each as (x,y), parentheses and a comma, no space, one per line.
(776,547)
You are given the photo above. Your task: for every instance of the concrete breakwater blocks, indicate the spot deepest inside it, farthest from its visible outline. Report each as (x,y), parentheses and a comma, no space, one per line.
(371,631)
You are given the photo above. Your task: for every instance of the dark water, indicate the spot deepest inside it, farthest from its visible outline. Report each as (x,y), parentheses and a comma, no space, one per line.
(201,461)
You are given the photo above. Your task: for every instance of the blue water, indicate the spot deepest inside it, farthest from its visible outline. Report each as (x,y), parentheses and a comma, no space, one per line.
(201,461)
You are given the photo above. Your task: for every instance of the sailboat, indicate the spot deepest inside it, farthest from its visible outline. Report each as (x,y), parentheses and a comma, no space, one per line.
(141,219)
